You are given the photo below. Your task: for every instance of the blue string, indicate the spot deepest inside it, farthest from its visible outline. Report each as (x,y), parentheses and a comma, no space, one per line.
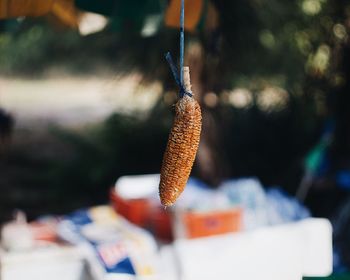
(173,68)
(182,39)
(175,73)
(179,79)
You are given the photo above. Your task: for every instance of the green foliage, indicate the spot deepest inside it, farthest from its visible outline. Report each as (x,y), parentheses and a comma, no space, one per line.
(256,39)
(32,48)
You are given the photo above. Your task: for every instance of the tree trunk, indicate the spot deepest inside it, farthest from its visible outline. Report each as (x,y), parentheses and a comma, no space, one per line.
(210,163)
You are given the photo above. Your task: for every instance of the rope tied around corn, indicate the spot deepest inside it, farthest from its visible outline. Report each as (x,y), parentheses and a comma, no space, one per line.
(176,76)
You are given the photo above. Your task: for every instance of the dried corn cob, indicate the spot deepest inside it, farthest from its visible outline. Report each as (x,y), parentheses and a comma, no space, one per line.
(182,146)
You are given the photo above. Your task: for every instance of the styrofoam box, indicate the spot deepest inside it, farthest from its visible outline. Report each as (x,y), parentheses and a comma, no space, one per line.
(286,252)
(54,263)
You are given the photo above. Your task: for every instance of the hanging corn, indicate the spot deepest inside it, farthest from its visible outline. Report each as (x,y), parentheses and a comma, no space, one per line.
(184,136)
(182,146)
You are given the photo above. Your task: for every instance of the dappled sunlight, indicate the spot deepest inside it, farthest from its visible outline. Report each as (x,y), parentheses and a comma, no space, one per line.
(211,99)
(272,99)
(318,62)
(312,7)
(267,39)
(241,98)
(339,31)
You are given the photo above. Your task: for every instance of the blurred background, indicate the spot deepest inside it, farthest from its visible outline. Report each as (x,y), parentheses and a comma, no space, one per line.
(86,97)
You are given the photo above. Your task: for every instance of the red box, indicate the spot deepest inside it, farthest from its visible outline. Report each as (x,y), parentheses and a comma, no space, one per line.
(136,211)
(193,224)
(200,224)
(144,213)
